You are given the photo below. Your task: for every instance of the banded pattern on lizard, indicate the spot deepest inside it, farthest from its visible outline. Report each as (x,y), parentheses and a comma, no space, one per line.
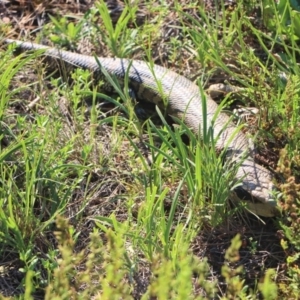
(182,98)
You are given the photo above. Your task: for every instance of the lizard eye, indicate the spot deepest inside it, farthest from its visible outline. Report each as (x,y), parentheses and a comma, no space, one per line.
(244,195)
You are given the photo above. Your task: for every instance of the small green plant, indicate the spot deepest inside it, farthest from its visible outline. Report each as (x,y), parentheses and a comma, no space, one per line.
(268,287)
(290,225)
(253,245)
(119,38)
(66,33)
(283,16)
(233,274)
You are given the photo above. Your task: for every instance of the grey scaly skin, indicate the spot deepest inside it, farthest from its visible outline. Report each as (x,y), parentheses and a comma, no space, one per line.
(182,99)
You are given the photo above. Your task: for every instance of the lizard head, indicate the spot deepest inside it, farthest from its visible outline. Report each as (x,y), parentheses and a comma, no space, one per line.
(256,189)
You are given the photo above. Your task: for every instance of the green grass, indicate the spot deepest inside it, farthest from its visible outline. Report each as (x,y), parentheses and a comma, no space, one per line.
(82,211)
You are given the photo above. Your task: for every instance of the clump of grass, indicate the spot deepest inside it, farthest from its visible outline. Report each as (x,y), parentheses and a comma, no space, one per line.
(104,271)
